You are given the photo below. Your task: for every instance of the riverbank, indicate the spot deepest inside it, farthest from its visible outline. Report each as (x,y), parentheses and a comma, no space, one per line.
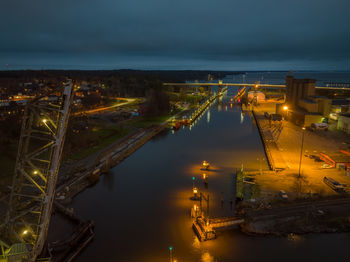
(87,171)
(102,162)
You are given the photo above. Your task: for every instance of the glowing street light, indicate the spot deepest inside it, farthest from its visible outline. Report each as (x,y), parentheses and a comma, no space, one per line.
(35,172)
(25,232)
(44,121)
(285,108)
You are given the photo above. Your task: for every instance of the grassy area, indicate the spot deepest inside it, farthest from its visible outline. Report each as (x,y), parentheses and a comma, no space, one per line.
(106,136)
(144,122)
(194,99)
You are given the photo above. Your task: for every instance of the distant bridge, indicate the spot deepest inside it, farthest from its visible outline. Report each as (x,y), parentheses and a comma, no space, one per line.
(220,83)
(223,84)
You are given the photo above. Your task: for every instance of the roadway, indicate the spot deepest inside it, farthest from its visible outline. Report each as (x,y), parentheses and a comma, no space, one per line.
(328,205)
(106,108)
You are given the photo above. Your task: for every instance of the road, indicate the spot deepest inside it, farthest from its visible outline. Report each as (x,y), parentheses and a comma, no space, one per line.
(106,108)
(334,205)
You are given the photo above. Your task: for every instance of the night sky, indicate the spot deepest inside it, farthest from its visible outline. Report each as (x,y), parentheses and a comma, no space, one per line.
(175,34)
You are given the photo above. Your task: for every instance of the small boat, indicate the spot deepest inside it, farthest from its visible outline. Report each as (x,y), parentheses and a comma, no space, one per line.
(205,164)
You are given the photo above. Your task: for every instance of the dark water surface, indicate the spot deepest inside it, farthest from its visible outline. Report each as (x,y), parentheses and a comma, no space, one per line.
(142,207)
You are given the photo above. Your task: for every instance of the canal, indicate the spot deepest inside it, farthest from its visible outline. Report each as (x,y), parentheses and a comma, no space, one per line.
(142,206)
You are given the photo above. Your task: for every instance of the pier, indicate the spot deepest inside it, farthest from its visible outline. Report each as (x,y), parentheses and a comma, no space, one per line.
(205,105)
(204,227)
(273,155)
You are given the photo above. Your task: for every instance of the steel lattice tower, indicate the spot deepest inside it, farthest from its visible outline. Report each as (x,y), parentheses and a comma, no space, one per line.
(38,159)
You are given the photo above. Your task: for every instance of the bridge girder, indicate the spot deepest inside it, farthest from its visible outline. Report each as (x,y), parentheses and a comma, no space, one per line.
(39,154)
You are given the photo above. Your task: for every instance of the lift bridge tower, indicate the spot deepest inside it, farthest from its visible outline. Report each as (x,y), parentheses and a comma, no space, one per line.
(40,147)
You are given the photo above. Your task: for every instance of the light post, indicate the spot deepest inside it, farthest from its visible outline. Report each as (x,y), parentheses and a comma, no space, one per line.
(301,150)
(171,253)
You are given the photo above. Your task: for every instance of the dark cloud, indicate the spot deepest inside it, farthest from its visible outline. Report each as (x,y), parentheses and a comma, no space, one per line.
(221,34)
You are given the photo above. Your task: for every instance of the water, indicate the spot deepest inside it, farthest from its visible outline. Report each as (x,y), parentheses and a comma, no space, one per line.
(142,207)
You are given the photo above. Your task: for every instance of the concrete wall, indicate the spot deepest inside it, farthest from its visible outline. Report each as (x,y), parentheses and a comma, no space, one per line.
(324,106)
(309,106)
(309,119)
(344,124)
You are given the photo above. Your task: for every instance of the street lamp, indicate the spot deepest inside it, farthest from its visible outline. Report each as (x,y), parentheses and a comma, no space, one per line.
(285,109)
(301,150)
(171,253)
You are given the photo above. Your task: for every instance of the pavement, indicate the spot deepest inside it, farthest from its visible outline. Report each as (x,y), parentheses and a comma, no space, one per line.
(287,153)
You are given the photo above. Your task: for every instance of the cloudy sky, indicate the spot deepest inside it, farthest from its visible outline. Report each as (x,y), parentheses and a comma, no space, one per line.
(175,34)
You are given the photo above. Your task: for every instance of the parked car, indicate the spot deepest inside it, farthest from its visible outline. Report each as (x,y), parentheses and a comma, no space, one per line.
(275,117)
(326,166)
(283,195)
(319,126)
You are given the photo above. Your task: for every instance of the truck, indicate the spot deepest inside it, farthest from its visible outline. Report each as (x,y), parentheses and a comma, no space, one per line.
(336,186)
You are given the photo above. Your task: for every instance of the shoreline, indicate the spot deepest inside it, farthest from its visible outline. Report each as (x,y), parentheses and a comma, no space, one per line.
(109,157)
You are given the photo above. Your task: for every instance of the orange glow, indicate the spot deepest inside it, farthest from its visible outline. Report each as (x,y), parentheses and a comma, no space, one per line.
(205,164)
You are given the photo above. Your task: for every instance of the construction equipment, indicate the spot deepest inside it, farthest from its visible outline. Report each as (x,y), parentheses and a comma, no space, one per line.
(33,188)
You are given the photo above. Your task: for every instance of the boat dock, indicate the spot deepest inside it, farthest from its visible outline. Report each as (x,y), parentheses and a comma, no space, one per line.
(204,106)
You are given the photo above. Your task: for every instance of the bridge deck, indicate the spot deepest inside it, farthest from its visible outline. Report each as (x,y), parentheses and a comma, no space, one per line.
(246,84)
(227,222)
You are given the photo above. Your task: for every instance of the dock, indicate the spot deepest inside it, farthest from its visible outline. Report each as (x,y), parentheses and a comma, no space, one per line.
(205,105)
(225,222)
(273,155)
